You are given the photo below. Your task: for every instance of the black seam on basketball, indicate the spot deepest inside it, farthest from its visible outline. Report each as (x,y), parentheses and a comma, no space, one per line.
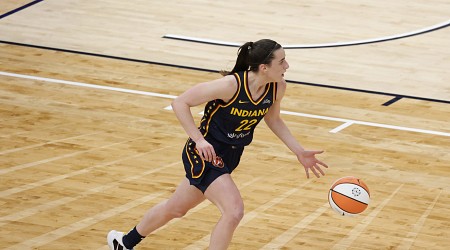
(347,197)
(343,211)
(354,184)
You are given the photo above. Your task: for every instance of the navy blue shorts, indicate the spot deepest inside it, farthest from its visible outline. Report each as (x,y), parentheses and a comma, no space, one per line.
(202,173)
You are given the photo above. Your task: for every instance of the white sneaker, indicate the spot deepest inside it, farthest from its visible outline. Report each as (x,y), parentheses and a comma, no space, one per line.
(114,240)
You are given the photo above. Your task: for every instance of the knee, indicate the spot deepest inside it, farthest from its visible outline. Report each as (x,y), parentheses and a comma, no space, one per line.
(238,215)
(172,212)
(175,211)
(235,214)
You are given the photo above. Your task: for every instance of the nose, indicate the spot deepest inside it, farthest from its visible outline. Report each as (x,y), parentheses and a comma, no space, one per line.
(287,65)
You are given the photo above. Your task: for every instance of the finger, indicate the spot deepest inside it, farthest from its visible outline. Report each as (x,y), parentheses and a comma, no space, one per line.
(199,154)
(205,155)
(208,155)
(307,173)
(202,155)
(319,169)
(213,154)
(322,163)
(314,152)
(315,173)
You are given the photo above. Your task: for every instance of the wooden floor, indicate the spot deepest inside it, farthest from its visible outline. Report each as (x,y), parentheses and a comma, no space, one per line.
(88,144)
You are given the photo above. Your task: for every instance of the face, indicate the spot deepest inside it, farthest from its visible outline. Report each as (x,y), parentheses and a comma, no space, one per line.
(278,66)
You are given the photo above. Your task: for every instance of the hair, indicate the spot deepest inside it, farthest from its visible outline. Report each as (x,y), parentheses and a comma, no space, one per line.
(253,54)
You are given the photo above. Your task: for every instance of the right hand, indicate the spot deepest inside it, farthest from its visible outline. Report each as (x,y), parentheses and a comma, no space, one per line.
(205,150)
(309,161)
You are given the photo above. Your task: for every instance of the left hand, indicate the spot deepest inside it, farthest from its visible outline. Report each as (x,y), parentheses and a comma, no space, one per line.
(309,161)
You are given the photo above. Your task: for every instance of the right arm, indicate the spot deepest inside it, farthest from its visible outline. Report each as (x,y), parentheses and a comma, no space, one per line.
(223,88)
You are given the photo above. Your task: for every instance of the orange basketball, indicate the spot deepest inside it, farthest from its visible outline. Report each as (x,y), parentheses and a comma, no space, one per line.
(349,196)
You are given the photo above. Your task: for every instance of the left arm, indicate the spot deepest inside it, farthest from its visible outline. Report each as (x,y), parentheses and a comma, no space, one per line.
(276,124)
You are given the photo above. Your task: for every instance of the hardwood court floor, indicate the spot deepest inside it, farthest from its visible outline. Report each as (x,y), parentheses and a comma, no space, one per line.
(78,161)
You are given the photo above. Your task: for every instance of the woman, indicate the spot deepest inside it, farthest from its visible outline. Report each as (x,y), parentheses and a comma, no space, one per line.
(236,103)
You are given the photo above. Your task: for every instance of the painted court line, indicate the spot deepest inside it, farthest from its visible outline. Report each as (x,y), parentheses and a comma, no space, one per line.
(371,124)
(358,229)
(320,45)
(411,237)
(79,84)
(341,127)
(172,97)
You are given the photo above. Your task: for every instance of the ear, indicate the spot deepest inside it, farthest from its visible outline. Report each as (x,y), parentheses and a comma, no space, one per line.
(263,67)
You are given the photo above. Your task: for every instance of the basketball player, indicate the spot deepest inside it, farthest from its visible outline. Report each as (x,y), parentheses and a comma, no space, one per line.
(235,104)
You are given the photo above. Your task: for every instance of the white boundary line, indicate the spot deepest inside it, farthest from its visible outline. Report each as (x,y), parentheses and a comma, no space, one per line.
(319,45)
(339,128)
(130,91)
(372,124)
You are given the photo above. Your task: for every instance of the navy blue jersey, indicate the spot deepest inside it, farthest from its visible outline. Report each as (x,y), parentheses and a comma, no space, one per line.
(234,122)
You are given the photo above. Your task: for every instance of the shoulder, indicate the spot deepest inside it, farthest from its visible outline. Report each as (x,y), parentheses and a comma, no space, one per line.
(226,83)
(231,79)
(230,87)
(222,88)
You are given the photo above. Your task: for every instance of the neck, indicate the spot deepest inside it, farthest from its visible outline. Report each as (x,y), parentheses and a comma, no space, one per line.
(256,80)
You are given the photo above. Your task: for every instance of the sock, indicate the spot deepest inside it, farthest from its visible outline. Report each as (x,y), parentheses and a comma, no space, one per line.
(132,238)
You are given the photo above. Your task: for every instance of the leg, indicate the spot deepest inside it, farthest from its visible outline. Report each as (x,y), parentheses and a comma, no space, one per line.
(225,195)
(183,199)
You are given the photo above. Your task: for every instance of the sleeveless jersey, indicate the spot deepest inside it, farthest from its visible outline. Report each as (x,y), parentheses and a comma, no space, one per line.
(234,122)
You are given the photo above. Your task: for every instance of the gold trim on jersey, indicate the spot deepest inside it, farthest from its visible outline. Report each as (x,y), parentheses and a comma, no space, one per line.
(275,90)
(236,75)
(195,154)
(218,106)
(249,95)
(209,116)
